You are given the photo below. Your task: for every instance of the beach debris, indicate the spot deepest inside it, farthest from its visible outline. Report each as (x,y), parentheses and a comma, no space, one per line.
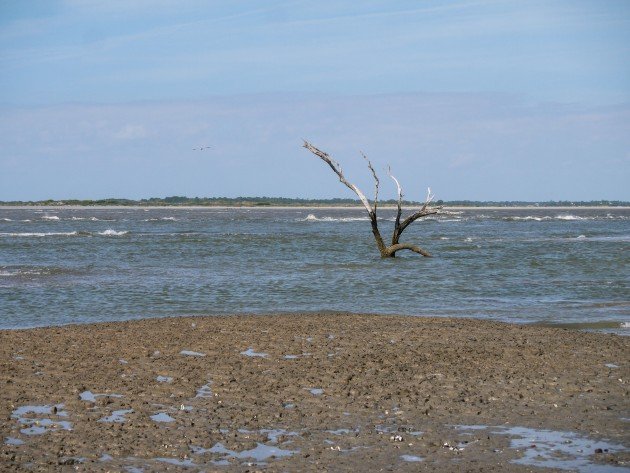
(397,438)
(164,379)
(452,448)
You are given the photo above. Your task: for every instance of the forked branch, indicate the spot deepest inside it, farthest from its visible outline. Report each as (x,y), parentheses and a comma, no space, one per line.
(399,227)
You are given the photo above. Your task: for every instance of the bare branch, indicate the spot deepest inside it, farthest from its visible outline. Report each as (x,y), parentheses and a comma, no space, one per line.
(423,212)
(429,199)
(386,251)
(407,246)
(399,207)
(376,181)
(337,169)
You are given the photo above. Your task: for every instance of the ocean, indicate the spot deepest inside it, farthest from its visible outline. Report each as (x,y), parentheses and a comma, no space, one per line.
(536,265)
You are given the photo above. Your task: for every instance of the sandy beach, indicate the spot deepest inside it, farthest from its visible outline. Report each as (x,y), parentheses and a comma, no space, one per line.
(312,392)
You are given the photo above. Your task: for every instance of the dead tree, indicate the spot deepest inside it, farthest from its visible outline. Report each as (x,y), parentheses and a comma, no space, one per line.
(387,251)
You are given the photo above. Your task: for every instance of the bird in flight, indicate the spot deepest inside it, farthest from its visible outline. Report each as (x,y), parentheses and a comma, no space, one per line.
(201,148)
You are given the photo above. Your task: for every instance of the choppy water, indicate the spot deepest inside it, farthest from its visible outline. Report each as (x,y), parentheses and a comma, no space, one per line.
(61,266)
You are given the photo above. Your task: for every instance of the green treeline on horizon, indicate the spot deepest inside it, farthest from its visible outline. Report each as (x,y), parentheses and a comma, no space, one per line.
(289,202)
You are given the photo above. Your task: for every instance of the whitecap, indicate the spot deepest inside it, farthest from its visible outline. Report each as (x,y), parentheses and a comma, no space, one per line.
(38,234)
(313,218)
(624,325)
(161,219)
(50,217)
(110,232)
(527,218)
(568,217)
(580,237)
(6,219)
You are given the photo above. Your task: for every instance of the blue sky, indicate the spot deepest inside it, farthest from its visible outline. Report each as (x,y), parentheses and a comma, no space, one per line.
(500,100)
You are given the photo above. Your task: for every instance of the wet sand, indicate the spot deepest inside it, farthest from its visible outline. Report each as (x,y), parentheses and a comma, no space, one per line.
(313,392)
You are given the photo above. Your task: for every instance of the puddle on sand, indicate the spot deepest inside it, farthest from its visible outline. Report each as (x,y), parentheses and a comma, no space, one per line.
(315,391)
(251,353)
(134,469)
(176,461)
(13,441)
(558,449)
(191,353)
(290,357)
(89,396)
(204,391)
(611,365)
(562,450)
(271,434)
(35,424)
(116,416)
(162,417)
(343,431)
(260,453)
(164,379)
(411,458)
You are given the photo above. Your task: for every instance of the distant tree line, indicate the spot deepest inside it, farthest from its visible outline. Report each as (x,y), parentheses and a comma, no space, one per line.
(289,202)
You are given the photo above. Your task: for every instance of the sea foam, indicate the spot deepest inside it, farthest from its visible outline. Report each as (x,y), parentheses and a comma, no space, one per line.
(313,218)
(38,234)
(111,232)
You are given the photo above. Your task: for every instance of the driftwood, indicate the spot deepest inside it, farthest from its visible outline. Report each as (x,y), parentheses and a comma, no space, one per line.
(387,251)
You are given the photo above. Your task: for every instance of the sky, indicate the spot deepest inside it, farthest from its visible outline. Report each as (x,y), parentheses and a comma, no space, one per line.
(481,100)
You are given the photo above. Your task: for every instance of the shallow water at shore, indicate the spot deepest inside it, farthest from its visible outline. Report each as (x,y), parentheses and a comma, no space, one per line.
(81,265)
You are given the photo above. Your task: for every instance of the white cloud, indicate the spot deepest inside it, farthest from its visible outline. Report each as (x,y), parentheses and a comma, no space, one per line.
(131,132)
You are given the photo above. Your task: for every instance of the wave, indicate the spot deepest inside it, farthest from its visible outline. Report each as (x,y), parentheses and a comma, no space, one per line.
(108,232)
(29,272)
(6,219)
(91,219)
(313,218)
(50,217)
(161,219)
(111,232)
(39,234)
(569,217)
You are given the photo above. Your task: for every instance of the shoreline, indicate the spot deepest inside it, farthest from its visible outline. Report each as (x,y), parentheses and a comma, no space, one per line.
(309,392)
(602,327)
(296,207)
